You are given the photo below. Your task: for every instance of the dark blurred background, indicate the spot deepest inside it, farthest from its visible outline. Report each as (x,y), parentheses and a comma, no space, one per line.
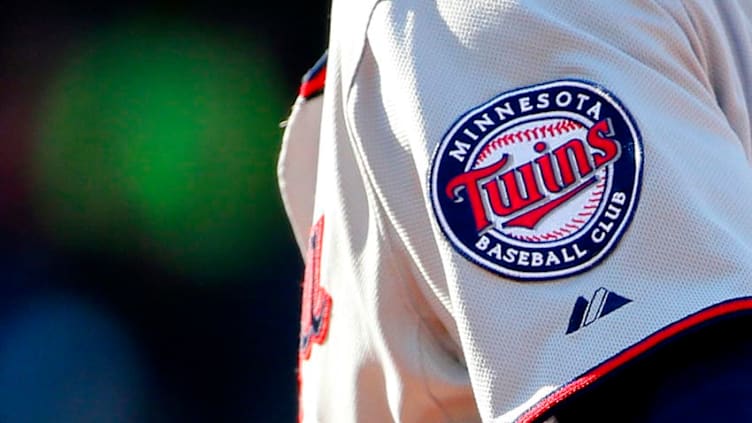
(148,273)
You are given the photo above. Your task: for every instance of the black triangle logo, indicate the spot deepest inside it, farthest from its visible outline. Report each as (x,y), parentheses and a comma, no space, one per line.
(585,311)
(613,302)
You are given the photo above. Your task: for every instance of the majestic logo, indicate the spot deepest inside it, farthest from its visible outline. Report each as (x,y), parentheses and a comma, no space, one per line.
(602,303)
(538,183)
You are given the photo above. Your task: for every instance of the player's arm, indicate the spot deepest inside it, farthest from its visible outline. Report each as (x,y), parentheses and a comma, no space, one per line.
(563,186)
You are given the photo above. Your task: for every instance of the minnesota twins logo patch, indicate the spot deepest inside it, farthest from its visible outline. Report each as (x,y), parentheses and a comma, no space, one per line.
(538,183)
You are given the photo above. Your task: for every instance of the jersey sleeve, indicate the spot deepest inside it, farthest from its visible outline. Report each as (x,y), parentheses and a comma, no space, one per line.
(524,196)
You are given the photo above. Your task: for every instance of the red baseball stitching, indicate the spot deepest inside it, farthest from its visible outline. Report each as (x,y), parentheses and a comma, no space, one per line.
(575,223)
(531,134)
(560,127)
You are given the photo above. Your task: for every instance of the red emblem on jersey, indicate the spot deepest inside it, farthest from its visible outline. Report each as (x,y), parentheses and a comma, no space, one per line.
(525,191)
(540,182)
(317,303)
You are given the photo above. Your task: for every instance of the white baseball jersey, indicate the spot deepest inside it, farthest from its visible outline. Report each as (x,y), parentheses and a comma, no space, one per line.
(501,202)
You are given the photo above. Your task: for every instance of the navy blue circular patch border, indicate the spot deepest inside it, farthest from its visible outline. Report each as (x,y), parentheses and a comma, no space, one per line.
(513,259)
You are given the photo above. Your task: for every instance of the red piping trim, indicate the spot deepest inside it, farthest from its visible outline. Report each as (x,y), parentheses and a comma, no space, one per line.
(540,408)
(313,85)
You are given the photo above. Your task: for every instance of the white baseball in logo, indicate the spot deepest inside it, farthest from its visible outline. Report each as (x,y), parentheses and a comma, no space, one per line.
(520,143)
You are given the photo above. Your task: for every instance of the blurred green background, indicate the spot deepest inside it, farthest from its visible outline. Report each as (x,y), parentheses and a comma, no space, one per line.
(148,271)
(160,140)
